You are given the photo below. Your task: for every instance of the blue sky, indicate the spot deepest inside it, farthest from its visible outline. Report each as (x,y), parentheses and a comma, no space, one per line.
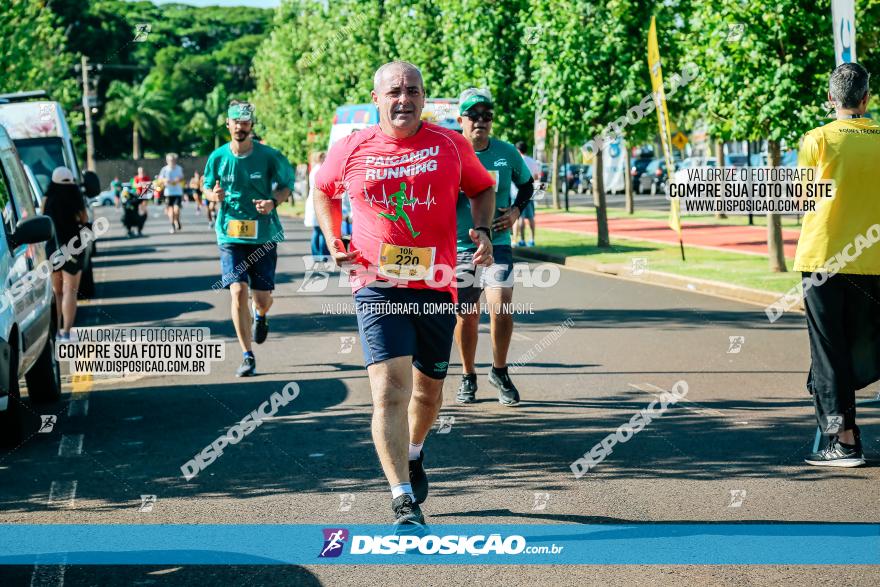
(255,3)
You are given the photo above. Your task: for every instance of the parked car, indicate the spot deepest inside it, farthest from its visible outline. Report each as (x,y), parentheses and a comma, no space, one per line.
(653,180)
(577,177)
(27,309)
(638,169)
(697,162)
(736,160)
(585,185)
(42,137)
(105,198)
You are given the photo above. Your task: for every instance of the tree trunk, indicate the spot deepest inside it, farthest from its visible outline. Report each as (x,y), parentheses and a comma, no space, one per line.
(775,248)
(554,170)
(719,157)
(599,201)
(135,143)
(627,180)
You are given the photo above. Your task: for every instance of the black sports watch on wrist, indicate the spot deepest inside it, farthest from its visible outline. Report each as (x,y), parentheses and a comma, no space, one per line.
(484,229)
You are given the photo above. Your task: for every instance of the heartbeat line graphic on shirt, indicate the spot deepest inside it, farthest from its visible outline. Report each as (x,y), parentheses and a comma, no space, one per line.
(412,201)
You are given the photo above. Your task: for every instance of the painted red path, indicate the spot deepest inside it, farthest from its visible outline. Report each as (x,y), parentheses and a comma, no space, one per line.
(739,239)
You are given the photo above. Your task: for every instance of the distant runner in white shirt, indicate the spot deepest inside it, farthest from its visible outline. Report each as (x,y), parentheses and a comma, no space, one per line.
(528,214)
(173,179)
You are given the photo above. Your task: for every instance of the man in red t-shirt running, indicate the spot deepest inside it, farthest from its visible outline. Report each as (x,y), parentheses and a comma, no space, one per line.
(403,177)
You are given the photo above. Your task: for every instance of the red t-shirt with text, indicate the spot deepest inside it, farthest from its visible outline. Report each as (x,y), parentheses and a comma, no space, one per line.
(403,193)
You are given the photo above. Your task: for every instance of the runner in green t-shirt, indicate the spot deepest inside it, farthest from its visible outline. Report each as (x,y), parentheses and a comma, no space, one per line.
(249,180)
(506,165)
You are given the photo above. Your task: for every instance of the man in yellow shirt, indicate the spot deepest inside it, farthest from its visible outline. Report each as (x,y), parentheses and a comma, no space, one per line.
(840,265)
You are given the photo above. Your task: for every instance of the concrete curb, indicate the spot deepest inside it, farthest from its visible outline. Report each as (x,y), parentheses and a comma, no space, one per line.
(693,284)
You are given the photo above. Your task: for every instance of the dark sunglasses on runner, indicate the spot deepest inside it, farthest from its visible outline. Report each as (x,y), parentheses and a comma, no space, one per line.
(478,116)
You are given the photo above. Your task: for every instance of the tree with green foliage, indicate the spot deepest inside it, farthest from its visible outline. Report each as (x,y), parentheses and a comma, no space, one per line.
(206,119)
(590,65)
(868,43)
(187,52)
(33,52)
(770,82)
(315,60)
(416,31)
(141,107)
(484,45)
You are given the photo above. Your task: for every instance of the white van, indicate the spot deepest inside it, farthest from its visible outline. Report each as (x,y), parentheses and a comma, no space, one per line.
(42,137)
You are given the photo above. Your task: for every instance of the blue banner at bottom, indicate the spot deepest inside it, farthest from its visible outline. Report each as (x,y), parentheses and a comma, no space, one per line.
(564,544)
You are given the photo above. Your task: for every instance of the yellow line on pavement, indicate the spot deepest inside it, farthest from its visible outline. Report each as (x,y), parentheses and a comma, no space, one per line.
(82,382)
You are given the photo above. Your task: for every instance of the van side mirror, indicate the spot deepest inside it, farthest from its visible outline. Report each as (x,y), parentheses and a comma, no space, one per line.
(36,229)
(91,183)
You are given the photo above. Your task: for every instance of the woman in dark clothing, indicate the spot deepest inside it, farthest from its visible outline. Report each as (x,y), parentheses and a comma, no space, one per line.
(64,204)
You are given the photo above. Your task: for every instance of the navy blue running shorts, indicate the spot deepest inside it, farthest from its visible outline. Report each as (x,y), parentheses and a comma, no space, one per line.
(253,264)
(400,322)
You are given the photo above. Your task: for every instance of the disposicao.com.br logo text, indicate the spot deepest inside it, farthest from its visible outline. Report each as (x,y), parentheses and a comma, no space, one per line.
(476,545)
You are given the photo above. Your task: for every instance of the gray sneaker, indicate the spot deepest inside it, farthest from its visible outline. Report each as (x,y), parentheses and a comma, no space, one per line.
(837,454)
(507,392)
(408,518)
(467,390)
(248,368)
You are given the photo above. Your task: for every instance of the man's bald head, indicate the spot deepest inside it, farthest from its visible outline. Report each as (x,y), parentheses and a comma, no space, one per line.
(399,95)
(396,68)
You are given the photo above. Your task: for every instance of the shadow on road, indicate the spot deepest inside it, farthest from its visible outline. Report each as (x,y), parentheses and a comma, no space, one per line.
(317,444)
(160,312)
(102,263)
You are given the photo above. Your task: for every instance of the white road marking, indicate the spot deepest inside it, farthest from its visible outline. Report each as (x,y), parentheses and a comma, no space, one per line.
(78,407)
(71,445)
(165,571)
(62,493)
(48,575)
(657,391)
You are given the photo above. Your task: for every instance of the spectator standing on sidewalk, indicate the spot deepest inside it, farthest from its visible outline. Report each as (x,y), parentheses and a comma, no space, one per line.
(318,244)
(528,213)
(843,313)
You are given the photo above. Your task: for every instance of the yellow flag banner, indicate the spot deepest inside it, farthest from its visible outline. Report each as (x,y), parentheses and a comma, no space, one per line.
(663,121)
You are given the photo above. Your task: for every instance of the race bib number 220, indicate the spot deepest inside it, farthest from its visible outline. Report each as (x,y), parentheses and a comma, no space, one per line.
(410,263)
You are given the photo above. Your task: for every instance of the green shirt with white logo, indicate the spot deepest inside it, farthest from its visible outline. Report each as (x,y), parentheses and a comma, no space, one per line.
(246,179)
(505,164)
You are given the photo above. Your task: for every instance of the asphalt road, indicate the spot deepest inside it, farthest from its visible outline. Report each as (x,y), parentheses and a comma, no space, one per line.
(745,425)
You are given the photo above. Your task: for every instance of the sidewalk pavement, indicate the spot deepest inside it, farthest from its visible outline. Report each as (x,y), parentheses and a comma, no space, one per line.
(750,240)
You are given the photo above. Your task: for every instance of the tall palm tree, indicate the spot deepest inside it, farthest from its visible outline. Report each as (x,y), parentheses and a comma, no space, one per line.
(140,106)
(207,117)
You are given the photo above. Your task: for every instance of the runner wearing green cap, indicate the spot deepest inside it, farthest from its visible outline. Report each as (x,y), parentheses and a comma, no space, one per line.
(240,176)
(505,164)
